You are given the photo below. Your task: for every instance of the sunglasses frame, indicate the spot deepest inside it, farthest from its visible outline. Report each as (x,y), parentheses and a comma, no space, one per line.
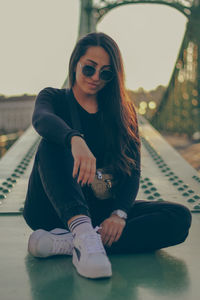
(95,70)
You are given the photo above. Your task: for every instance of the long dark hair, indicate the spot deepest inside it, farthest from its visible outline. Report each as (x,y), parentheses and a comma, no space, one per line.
(118,115)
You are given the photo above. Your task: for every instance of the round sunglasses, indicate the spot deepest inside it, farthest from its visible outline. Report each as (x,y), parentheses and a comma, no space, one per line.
(89,71)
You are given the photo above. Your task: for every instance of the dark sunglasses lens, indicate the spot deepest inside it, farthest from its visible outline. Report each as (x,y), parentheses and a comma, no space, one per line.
(106,75)
(88,71)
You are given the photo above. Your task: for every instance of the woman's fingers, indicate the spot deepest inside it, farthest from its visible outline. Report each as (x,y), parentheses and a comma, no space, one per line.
(92,171)
(111,230)
(86,173)
(112,237)
(76,167)
(118,234)
(83,169)
(84,161)
(87,170)
(104,233)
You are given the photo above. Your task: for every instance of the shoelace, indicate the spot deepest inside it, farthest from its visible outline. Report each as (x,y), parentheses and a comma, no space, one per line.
(62,246)
(65,246)
(97,228)
(93,242)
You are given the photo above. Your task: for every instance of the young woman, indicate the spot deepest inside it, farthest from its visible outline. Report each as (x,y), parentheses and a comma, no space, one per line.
(60,205)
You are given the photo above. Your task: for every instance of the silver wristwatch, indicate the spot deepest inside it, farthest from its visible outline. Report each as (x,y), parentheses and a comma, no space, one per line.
(120,213)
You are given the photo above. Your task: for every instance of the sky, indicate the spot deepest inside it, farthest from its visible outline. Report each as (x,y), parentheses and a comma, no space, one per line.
(38,36)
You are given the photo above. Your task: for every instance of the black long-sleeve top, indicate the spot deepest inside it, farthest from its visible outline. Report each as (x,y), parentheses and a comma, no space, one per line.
(52,120)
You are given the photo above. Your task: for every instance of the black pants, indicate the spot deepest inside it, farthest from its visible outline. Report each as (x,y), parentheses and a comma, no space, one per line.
(54,196)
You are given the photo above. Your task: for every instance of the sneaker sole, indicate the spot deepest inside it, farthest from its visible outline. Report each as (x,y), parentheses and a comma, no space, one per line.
(92,274)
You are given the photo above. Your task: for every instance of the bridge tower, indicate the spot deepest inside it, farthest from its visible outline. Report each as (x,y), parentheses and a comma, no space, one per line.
(179,110)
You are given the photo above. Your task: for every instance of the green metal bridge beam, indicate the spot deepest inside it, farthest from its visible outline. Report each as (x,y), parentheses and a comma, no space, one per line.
(92,13)
(185,10)
(179,110)
(88,20)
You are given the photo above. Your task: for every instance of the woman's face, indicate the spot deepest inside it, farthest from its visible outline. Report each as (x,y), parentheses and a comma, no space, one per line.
(98,58)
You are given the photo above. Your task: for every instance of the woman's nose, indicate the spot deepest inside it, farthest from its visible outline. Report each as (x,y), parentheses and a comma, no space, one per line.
(96,76)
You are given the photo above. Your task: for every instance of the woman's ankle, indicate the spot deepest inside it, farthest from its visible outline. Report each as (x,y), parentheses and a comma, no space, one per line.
(74,218)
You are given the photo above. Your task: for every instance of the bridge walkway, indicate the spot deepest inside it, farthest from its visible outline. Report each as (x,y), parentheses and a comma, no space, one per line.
(171,273)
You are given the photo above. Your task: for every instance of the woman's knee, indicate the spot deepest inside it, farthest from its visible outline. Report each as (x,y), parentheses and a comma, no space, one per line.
(183,215)
(181,219)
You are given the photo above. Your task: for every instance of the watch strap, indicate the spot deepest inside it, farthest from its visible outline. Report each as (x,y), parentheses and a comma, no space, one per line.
(120,213)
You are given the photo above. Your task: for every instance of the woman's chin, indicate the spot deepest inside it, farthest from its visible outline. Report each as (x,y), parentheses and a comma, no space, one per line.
(91,91)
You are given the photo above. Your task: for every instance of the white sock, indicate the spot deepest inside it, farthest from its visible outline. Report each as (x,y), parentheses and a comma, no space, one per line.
(81,225)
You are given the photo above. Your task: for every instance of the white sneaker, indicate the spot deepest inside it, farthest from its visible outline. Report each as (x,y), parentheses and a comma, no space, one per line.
(89,256)
(44,243)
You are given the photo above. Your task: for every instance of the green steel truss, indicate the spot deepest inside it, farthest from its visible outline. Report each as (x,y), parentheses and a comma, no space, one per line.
(103,6)
(179,110)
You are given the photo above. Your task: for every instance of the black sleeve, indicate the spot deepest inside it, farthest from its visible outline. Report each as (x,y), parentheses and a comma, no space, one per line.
(127,189)
(47,123)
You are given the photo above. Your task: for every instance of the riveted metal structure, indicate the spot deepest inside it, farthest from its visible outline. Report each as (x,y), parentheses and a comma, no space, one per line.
(179,110)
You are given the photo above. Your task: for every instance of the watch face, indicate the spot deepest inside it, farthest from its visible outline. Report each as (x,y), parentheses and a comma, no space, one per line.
(120,214)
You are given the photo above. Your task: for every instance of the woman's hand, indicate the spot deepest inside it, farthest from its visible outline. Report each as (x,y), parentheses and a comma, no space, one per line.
(111,229)
(84,161)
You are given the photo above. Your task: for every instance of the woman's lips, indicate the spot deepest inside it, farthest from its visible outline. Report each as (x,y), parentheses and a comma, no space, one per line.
(92,85)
